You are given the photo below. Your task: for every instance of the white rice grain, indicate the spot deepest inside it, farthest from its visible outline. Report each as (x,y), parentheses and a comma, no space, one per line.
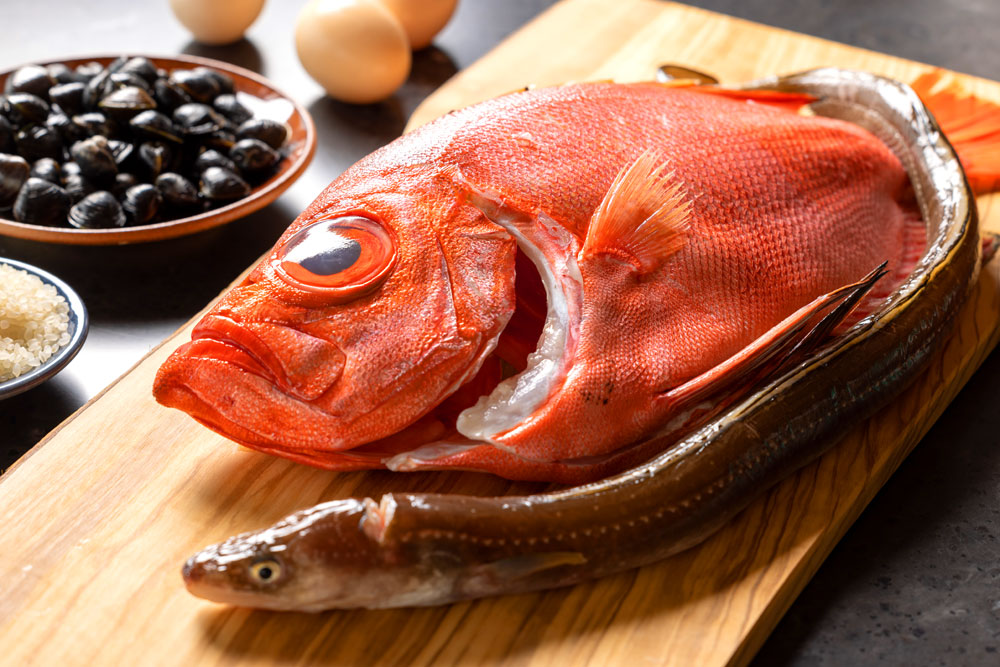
(34,322)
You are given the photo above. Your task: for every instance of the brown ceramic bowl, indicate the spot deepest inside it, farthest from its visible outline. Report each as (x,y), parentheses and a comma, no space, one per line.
(269,103)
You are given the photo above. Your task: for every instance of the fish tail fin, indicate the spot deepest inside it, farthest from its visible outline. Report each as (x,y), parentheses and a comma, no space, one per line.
(971,124)
(782,346)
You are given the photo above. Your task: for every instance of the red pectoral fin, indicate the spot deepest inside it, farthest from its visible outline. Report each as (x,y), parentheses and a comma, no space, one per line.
(643,217)
(782,346)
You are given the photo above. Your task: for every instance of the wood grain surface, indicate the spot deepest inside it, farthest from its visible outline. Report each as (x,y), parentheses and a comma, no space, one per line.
(100,515)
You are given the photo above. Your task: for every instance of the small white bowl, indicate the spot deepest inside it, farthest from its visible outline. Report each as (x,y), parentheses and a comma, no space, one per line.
(77,333)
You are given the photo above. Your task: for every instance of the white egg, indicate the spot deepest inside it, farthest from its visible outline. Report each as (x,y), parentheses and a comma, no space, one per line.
(356,49)
(216,21)
(422,19)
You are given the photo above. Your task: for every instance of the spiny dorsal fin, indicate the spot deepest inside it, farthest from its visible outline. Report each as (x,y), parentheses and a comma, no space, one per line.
(644,215)
(773,98)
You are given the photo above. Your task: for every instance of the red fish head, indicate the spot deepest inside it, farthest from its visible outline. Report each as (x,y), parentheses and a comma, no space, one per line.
(367,314)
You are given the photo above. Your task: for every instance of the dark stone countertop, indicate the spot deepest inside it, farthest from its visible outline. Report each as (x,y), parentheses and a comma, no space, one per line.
(915,581)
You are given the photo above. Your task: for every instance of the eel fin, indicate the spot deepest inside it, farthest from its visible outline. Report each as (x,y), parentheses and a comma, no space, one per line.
(644,215)
(526,565)
(781,347)
(971,124)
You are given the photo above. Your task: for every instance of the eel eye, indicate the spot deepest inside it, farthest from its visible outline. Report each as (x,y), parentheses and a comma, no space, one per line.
(344,256)
(265,571)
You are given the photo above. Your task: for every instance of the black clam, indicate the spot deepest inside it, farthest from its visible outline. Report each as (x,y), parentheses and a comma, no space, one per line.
(196,119)
(221,184)
(154,125)
(271,132)
(47,169)
(176,191)
(213,158)
(142,67)
(33,79)
(25,108)
(220,140)
(122,79)
(96,160)
(98,210)
(141,203)
(14,171)
(93,123)
(169,95)
(224,82)
(253,155)
(37,141)
(41,202)
(155,157)
(231,107)
(124,103)
(69,97)
(199,85)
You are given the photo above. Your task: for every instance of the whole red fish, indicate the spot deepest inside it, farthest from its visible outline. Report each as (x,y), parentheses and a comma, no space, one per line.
(536,285)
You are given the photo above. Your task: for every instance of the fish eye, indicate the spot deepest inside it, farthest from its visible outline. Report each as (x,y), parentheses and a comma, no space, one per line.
(344,256)
(265,571)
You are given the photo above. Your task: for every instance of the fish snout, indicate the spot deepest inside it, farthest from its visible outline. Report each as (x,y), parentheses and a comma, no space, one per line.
(193,571)
(202,576)
(299,363)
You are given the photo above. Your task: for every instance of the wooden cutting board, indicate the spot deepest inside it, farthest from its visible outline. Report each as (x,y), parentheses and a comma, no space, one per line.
(98,518)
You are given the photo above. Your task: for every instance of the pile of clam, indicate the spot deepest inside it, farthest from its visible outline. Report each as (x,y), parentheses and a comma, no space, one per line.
(128,144)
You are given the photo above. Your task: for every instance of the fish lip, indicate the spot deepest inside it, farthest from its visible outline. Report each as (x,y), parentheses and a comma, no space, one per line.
(241,346)
(246,346)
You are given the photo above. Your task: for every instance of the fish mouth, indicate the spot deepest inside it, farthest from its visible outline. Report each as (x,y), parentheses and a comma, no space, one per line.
(225,356)
(219,348)
(202,378)
(223,339)
(299,363)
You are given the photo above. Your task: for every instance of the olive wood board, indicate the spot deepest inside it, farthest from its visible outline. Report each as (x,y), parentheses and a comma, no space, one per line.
(99,516)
